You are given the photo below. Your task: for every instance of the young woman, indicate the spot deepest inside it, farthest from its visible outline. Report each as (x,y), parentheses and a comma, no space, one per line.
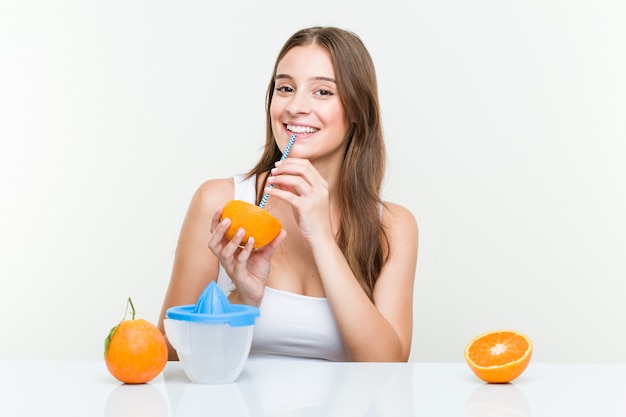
(337,282)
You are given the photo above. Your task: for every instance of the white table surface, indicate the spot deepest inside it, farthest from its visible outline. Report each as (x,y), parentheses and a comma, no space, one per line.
(295,388)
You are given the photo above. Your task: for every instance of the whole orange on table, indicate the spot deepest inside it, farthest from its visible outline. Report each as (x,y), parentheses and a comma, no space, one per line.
(499,356)
(135,351)
(257,222)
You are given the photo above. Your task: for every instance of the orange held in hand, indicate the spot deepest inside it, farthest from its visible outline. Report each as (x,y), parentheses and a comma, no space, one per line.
(499,356)
(135,351)
(256,222)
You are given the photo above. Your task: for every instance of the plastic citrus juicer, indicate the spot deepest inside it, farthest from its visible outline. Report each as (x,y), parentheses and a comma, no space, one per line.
(212,337)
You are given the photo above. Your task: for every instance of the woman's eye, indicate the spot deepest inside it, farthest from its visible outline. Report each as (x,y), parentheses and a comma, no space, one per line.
(324,92)
(284,89)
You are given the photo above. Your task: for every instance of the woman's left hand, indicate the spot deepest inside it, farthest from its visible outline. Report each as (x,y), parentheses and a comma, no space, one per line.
(297,182)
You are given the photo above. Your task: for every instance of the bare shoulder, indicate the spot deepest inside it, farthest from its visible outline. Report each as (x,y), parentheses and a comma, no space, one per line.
(401,230)
(213,193)
(397,217)
(209,196)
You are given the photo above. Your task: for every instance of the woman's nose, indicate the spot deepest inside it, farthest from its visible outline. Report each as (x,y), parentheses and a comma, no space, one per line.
(299,104)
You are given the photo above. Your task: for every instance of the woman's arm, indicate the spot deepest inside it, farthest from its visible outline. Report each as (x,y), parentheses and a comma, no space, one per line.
(379,331)
(202,245)
(194,264)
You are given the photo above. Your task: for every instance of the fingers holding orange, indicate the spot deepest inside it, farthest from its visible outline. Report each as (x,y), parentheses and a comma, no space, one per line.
(257,223)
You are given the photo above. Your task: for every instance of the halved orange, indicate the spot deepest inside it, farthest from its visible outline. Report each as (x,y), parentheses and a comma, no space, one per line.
(256,222)
(499,356)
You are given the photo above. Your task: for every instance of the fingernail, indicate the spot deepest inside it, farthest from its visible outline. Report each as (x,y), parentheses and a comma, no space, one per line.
(240,232)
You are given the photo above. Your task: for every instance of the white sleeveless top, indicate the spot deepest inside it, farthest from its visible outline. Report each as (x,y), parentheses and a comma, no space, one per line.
(289,324)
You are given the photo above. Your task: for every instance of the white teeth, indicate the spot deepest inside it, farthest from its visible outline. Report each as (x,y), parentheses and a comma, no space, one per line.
(301,129)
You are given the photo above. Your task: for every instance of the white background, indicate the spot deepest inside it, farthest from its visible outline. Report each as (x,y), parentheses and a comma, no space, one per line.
(506,130)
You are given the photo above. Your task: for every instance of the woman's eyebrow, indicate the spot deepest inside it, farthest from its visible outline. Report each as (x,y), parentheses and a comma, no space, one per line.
(319,78)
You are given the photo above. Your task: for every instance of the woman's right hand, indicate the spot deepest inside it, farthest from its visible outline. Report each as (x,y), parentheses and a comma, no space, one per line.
(248,268)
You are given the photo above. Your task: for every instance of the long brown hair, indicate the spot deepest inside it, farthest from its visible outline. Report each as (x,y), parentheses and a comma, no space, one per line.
(361,236)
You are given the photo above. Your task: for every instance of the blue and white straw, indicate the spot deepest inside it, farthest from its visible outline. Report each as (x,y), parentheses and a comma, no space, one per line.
(282,158)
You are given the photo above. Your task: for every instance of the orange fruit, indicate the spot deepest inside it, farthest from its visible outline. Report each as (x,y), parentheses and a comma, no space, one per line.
(499,356)
(257,222)
(135,350)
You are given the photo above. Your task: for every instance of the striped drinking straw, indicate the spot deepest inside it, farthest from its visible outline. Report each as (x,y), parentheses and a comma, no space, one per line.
(282,158)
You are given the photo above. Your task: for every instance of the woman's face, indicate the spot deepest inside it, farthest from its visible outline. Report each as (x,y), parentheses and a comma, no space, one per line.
(306,102)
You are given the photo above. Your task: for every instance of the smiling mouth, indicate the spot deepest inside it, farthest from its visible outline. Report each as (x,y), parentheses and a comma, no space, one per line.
(301,129)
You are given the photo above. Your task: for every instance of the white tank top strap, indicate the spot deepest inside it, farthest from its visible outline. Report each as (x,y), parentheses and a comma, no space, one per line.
(245,188)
